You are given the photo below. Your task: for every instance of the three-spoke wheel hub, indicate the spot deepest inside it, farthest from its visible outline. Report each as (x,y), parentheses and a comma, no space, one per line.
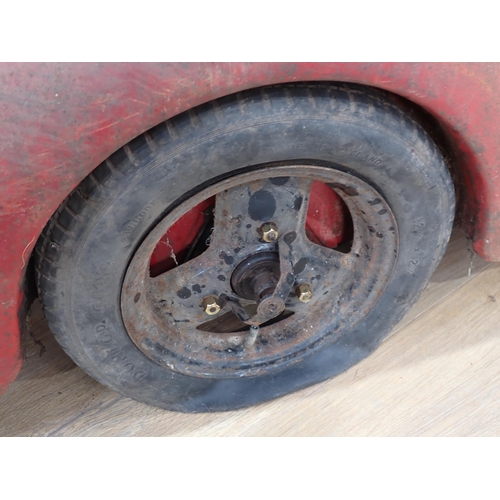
(263,281)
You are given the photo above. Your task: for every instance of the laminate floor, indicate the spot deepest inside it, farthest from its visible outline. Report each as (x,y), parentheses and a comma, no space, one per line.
(437,374)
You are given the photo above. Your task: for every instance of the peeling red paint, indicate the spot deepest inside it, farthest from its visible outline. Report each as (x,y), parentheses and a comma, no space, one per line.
(59,121)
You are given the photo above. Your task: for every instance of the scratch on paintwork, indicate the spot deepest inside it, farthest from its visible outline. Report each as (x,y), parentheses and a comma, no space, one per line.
(140,102)
(164,94)
(25,248)
(477,77)
(417,93)
(10,208)
(29,180)
(172,253)
(110,124)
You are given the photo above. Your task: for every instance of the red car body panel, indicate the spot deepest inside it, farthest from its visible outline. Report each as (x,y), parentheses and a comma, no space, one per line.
(59,121)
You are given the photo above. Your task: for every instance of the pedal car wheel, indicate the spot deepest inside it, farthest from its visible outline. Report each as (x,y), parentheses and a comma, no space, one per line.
(248,248)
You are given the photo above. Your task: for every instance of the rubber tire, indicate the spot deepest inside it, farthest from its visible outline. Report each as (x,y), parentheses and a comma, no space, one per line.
(83,254)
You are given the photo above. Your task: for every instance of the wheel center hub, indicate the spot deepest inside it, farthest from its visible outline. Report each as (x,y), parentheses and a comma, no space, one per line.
(257,276)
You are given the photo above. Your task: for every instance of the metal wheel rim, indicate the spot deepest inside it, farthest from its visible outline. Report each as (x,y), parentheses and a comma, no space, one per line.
(346,289)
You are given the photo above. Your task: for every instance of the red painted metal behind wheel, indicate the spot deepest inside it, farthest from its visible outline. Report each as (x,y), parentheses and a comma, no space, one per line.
(328,221)
(178,239)
(328,224)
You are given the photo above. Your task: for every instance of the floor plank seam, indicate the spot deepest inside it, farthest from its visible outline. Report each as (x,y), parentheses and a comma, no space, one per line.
(88,410)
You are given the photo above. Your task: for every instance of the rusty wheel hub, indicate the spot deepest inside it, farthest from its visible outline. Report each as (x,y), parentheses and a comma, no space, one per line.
(256,277)
(262,294)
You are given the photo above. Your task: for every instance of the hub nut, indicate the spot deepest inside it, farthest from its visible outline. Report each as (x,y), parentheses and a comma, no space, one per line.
(210,305)
(269,232)
(304,293)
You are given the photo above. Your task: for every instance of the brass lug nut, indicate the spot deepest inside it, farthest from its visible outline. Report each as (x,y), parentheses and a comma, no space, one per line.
(210,305)
(304,293)
(269,232)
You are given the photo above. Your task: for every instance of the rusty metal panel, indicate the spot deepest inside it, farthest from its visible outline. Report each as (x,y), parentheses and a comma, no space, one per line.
(59,121)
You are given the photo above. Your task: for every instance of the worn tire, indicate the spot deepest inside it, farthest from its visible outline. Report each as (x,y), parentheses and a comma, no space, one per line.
(83,253)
